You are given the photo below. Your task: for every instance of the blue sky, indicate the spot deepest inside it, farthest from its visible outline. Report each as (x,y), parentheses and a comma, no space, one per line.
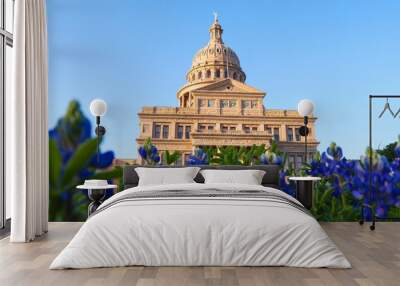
(136,53)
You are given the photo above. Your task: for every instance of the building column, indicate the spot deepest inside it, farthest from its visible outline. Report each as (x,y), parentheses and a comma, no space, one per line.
(282,133)
(173,130)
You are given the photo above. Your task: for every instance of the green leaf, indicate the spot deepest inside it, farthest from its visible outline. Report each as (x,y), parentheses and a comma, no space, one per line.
(171,158)
(115,173)
(80,159)
(55,162)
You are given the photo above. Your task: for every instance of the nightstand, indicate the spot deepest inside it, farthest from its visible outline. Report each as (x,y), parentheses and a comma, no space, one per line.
(96,195)
(304,189)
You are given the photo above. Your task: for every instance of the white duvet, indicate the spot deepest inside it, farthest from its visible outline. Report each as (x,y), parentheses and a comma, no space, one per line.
(200,231)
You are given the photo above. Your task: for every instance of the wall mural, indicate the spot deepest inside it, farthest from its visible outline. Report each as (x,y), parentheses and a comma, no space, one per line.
(338,195)
(221,120)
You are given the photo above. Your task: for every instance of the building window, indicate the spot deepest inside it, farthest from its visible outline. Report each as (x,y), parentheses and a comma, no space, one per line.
(268,129)
(6,47)
(187,132)
(217,74)
(232,103)
(297,133)
(299,162)
(276,135)
(225,73)
(254,104)
(245,103)
(199,75)
(193,77)
(210,103)
(145,128)
(224,103)
(289,134)
(179,132)
(291,161)
(203,127)
(156,131)
(224,128)
(249,129)
(202,103)
(208,73)
(165,131)
(234,75)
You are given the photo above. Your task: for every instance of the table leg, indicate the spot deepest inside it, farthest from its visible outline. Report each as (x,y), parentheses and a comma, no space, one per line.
(96,196)
(305,193)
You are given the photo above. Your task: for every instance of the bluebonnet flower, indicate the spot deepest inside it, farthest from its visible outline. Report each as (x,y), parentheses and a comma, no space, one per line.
(149,153)
(264,159)
(284,183)
(72,130)
(198,158)
(142,152)
(355,177)
(271,158)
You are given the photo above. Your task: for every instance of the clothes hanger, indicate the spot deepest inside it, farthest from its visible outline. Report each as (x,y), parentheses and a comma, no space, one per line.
(387,107)
(397,113)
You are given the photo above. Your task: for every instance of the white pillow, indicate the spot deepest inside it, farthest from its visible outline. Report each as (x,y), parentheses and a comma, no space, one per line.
(248,177)
(166,176)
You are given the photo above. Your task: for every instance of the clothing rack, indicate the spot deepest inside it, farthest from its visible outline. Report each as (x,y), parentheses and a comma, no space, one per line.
(370,206)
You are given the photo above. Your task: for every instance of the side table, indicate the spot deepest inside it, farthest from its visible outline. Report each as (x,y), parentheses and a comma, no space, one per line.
(96,195)
(304,189)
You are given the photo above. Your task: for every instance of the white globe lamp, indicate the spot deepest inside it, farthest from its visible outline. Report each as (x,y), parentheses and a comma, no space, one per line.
(98,108)
(305,107)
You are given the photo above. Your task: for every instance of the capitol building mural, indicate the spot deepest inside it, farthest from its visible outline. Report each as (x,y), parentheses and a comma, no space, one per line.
(217,108)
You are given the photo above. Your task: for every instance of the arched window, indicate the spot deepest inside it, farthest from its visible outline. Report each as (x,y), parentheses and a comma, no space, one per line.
(234,75)
(193,77)
(217,74)
(225,73)
(199,75)
(208,74)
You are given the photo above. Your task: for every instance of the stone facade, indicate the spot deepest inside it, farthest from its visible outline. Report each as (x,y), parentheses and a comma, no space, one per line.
(217,108)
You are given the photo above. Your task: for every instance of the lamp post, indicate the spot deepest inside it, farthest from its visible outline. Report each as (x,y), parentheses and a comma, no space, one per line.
(98,108)
(305,108)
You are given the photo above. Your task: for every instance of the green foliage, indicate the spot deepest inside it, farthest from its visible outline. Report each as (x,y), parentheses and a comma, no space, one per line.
(233,155)
(79,160)
(171,158)
(388,151)
(71,161)
(327,207)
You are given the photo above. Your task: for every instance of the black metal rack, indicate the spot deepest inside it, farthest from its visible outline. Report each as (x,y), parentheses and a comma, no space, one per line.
(370,206)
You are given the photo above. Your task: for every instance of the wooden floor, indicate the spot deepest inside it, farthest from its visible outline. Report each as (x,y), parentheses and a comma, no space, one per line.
(375,257)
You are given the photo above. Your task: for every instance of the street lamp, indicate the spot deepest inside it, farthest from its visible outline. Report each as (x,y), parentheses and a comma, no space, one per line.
(305,108)
(98,108)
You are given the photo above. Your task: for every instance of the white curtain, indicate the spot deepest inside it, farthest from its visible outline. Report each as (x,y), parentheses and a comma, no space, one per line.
(27,123)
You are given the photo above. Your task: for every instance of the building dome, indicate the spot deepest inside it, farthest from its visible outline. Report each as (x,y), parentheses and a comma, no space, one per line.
(215,61)
(215,52)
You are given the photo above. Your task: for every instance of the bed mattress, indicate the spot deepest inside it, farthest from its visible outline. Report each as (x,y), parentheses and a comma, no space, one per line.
(201,225)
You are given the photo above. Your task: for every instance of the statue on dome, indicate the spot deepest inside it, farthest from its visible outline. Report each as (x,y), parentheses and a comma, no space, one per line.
(215,16)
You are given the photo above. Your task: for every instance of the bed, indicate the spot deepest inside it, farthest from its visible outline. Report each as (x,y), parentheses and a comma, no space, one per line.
(198,224)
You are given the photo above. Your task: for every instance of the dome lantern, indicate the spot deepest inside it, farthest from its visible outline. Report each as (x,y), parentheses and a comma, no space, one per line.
(216,60)
(216,31)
